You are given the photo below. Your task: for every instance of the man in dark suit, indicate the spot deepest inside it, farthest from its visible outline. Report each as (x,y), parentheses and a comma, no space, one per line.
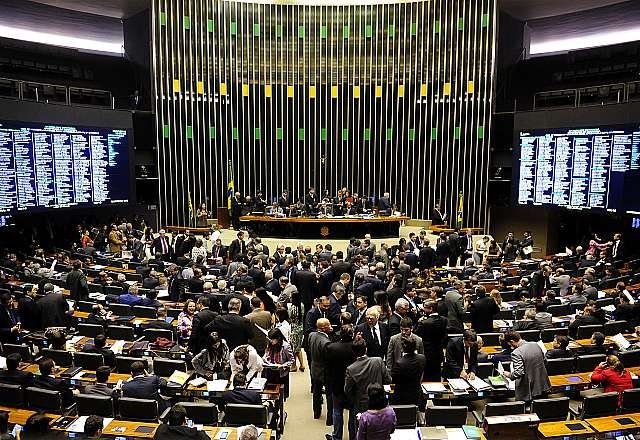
(237,246)
(341,355)
(204,316)
(318,342)
(362,373)
(540,282)
(465,246)
(236,210)
(46,381)
(160,322)
(162,246)
(325,279)
(311,201)
(14,376)
(98,346)
(77,283)
(483,310)
(375,333)
(243,291)
(232,327)
(9,320)
(462,356)
(284,201)
(401,309)
(29,311)
(321,310)
(358,309)
(340,266)
(407,374)
(54,308)
(143,385)
(427,257)
(442,251)
(384,204)
(433,331)
(438,217)
(218,250)
(617,249)
(240,394)
(307,285)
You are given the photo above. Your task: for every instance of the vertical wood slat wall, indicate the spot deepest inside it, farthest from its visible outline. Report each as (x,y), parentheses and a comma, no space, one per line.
(393,96)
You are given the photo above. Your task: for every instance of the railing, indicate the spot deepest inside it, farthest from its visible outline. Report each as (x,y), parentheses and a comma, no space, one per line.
(588,96)
(55,93)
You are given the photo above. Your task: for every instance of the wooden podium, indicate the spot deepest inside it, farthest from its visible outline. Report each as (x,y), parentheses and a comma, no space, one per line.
(223,218)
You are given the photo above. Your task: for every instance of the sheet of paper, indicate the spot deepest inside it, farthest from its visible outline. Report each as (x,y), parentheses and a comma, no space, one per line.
(434,387)
(620,341)
(78,424)
(387,388)
(257,383)
(478,384)
(163,293)
(117,347)
(217,385)
(3,363)
(458,384)
(542,347)
(500,368)
(404,434)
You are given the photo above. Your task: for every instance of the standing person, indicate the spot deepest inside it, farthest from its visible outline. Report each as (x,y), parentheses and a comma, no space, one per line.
(527,368)
(394,351)
(454,302)
(28,309)
(202,216)
(9,320)
(55,310)
(213,361)
(245,359)
(362,373)
(526,245)
(433,331)
(236,210)
(462,356)
(407,374)
(260,324)
(438,217)
(185,320)
(341,355)
(77,283)
(237,246)
(379,421)
(375,333)
(483,310)
(203,317)
(318,342)
(278,358)
(233,328)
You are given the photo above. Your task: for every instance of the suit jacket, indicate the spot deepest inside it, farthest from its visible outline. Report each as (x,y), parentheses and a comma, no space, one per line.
(99,389)
(482,312)
(375,349)
(241,396)
(146,387)
(433,331)
(456,358)
(108,355)
(29,313)
(360,374)
(219,252)
(427,258)
(340,267)
(198,338)
(529,371)
(54,384)
(17,377)
(77,284)
(455,310)
(394,324)
(629,313)
(237,247)
(8,319)
(318,343)
(258,339)
(233,328)
(324,282)
(394,351)
(54,310)
(157,245)
(407,375)
(341,355)
(168,432)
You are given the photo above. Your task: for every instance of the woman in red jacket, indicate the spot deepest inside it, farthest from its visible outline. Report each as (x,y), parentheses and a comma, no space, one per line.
(612,375)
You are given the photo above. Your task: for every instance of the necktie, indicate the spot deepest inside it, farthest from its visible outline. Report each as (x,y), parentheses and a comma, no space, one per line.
(469,246)
(164,245)
(375,335)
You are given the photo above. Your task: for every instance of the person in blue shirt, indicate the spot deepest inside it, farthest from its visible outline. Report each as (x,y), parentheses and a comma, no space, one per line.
(132,298)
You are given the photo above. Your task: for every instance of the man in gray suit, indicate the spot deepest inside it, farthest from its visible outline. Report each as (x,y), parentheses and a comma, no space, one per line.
(362,373)
(394,351)
(527,368)
(453,300)
(318,342)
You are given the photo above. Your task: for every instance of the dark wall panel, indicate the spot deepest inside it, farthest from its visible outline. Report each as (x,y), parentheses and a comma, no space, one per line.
(390,97)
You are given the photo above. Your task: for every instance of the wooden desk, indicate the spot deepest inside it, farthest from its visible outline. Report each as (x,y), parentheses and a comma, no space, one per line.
(212,431)
(113,377)
(560,429)
(18,416)
(187,228)
(123,428)
(610,423)
(573,379)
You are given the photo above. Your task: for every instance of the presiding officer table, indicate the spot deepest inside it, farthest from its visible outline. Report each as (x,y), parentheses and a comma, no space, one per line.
(325,227)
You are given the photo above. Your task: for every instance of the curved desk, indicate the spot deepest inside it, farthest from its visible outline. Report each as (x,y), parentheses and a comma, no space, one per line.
(328,227)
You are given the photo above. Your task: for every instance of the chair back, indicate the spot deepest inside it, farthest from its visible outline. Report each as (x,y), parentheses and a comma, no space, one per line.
(484,370)
(123,363)
(560,366)
(139,410)
(630,401)
(551,410)
(586,331)
(504,408)
(11,395)
(236,414)
(504,314)
(509,295)
(201,413)
(23,350)
(599,405)
(560,309)
(548,334)
(89,404)
(113,290)
(530,335)
(166,367)
(151,334)
(88,361)
(90,330)
(490,339)
(62,358)
(589,362)
(121,332)
(47,400)
(448,416)
(630,358)
(406,416)
(173,313)
(145,312)
(120,309)
(612,328)
(85,306)
(95,288)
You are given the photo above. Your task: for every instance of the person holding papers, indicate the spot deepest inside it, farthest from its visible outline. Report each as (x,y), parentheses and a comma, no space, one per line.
(462,356)
(213,361)
(277,360)
(143,385)
(527,368)
(240,394)
(245,359)
(407,374)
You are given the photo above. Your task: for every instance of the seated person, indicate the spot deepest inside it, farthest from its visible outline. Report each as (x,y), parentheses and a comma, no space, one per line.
(38,426)
(559,350)
(550,299)
(14,376)
(100,388)
(528,323)
(48,381)
(99,315)
(131,298)
(98,346)
(93,427)
(597,345)
(160,322)
(240,393)
(213,361)
(613,376)
(587,318)
(245,359)
(504,355)
(151,281)
(196,283)
(462,356)
(150,299)
(143,385)
(543,318)
(4,426)
(56,339)
(175,427)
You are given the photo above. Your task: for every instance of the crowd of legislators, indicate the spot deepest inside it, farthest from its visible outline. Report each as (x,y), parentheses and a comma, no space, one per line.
(365,316)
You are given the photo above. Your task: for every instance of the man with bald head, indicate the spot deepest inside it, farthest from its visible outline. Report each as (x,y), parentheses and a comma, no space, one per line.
(318,342)
(375,333)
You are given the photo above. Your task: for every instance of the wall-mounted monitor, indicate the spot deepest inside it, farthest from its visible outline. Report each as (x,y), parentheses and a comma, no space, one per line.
(44,166)
(578,168)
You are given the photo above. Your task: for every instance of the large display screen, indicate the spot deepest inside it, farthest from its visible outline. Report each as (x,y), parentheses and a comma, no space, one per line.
(577,168)
(56,166)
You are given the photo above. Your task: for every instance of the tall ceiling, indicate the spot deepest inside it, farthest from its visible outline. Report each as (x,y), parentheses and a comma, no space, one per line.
(107,8)
(533,9)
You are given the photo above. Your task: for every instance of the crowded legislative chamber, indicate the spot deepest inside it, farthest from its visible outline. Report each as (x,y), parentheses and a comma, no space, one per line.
(320,219)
